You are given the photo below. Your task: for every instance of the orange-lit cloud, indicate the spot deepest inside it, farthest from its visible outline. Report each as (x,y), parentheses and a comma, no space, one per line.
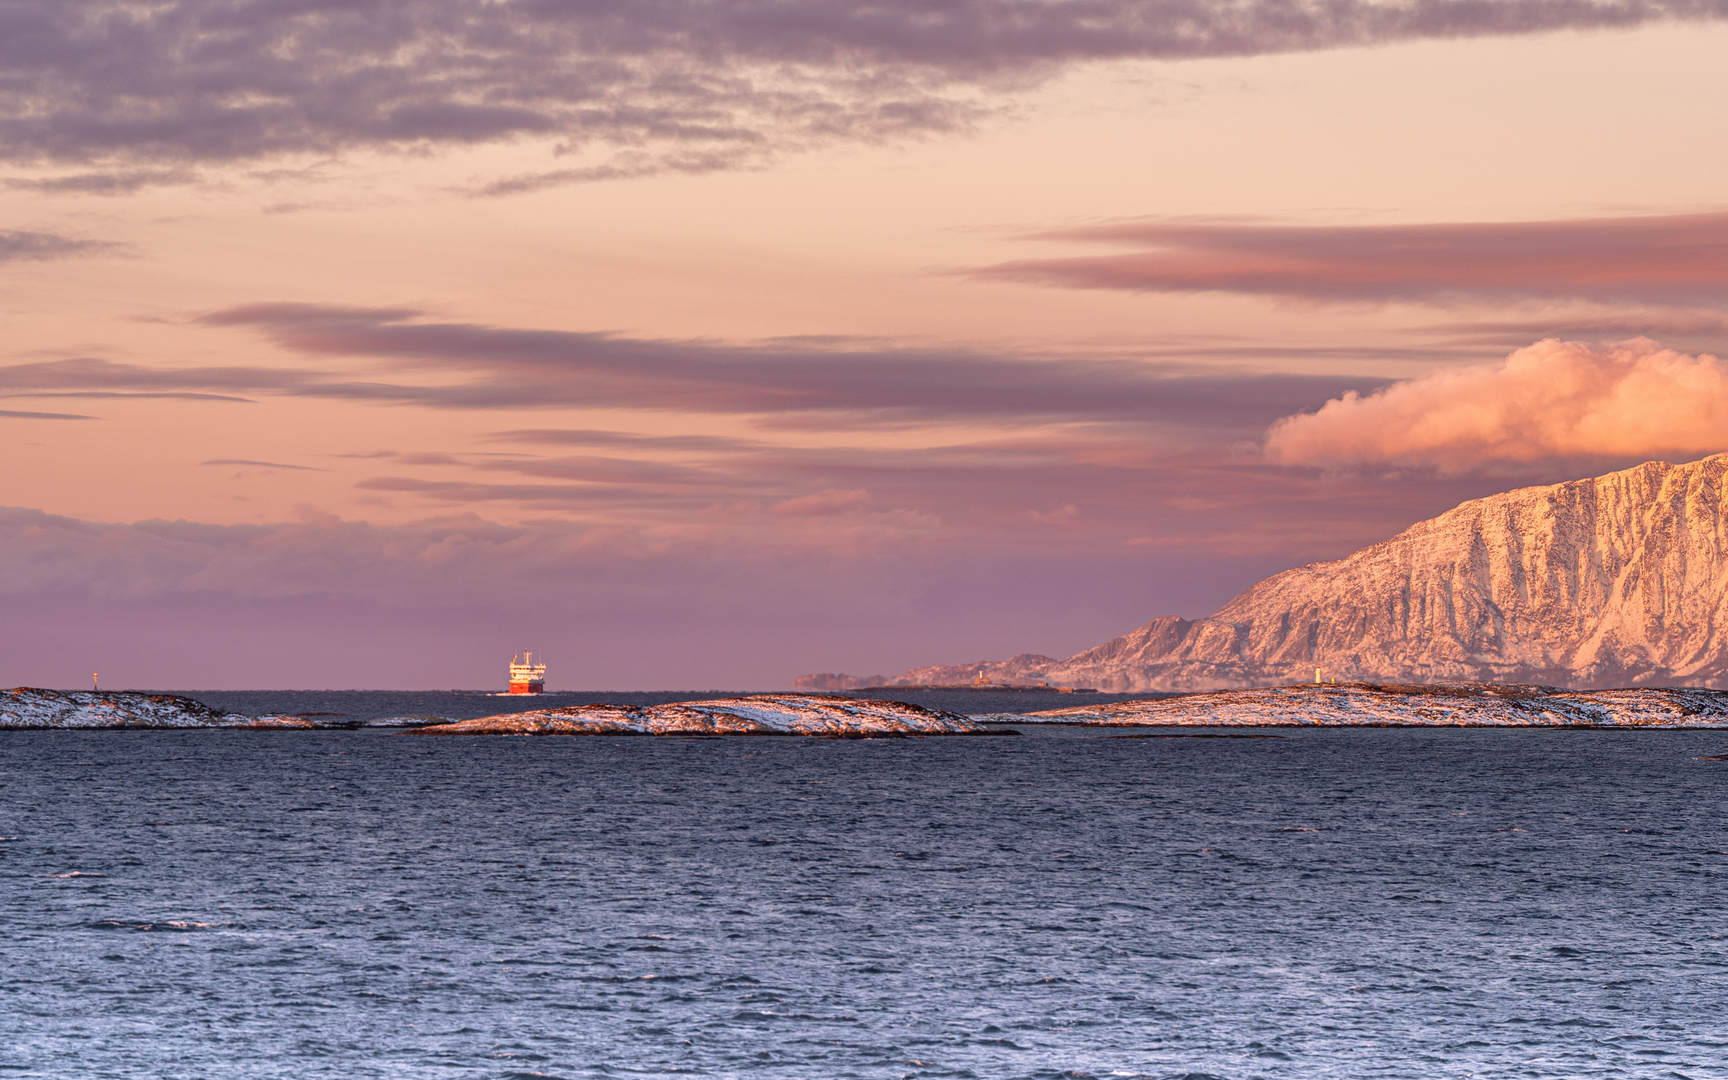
(1553,401)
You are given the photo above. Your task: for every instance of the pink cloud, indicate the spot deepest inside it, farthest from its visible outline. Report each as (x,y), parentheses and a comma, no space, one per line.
(823,503)
(1552,401)
(1671,259)
(896,559)
(819,381)
(736,598)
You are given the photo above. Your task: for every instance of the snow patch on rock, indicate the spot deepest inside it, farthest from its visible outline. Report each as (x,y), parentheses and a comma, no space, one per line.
(29,707)
(1466,704)
(769,714)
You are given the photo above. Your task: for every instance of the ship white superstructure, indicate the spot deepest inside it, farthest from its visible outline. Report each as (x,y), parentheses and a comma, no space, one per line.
(526,677)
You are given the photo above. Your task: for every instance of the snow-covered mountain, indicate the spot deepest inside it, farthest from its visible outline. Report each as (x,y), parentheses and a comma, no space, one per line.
(1620,580)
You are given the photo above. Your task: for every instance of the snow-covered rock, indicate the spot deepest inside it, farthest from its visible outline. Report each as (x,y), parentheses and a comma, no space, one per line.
(776,714)
(1620,580)
(1472,704)
(31,707)
(28,707)
(769,714)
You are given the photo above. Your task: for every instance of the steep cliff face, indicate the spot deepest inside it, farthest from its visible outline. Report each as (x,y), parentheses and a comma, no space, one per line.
(1620,580)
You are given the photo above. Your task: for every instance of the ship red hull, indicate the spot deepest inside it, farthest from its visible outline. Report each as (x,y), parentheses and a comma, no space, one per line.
(526,687)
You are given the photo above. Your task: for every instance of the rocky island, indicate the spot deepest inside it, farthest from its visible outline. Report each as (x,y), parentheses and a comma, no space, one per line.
(769,714)
(1463,704)
(30,707)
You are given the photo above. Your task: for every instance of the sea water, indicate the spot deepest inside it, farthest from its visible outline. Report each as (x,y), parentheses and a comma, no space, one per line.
(1322,903)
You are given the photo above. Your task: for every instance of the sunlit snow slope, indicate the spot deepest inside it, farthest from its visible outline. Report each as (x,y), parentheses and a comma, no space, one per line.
(1619,580)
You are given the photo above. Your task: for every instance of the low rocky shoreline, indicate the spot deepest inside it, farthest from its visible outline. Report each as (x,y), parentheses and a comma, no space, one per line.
(33,708)
(30,707)
(822,715)
(1462,704)
(833,716)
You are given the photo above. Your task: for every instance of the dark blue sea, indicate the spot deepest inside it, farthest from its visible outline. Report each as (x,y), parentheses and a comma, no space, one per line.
(1068,903)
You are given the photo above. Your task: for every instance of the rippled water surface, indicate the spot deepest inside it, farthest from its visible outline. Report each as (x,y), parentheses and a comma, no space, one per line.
(1336,903)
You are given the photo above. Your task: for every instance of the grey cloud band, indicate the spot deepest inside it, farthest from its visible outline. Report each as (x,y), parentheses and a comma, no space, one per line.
(674,84)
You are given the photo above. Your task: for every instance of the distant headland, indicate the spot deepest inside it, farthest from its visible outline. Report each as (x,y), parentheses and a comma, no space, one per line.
(831,681)
(975,688)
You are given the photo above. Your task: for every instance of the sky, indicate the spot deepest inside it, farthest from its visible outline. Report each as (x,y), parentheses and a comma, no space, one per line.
(700,345)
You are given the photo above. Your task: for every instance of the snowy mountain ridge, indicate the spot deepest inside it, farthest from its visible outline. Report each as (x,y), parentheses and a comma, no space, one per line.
(1617,580)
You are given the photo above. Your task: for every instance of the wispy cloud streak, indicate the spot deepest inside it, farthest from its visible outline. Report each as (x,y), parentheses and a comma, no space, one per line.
(13,414)
(121,182)
(27,246)
(517,369)
(261,464)
(1677,259)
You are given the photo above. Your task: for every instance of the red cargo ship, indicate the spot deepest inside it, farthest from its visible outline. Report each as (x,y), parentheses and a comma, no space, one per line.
(526,677)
